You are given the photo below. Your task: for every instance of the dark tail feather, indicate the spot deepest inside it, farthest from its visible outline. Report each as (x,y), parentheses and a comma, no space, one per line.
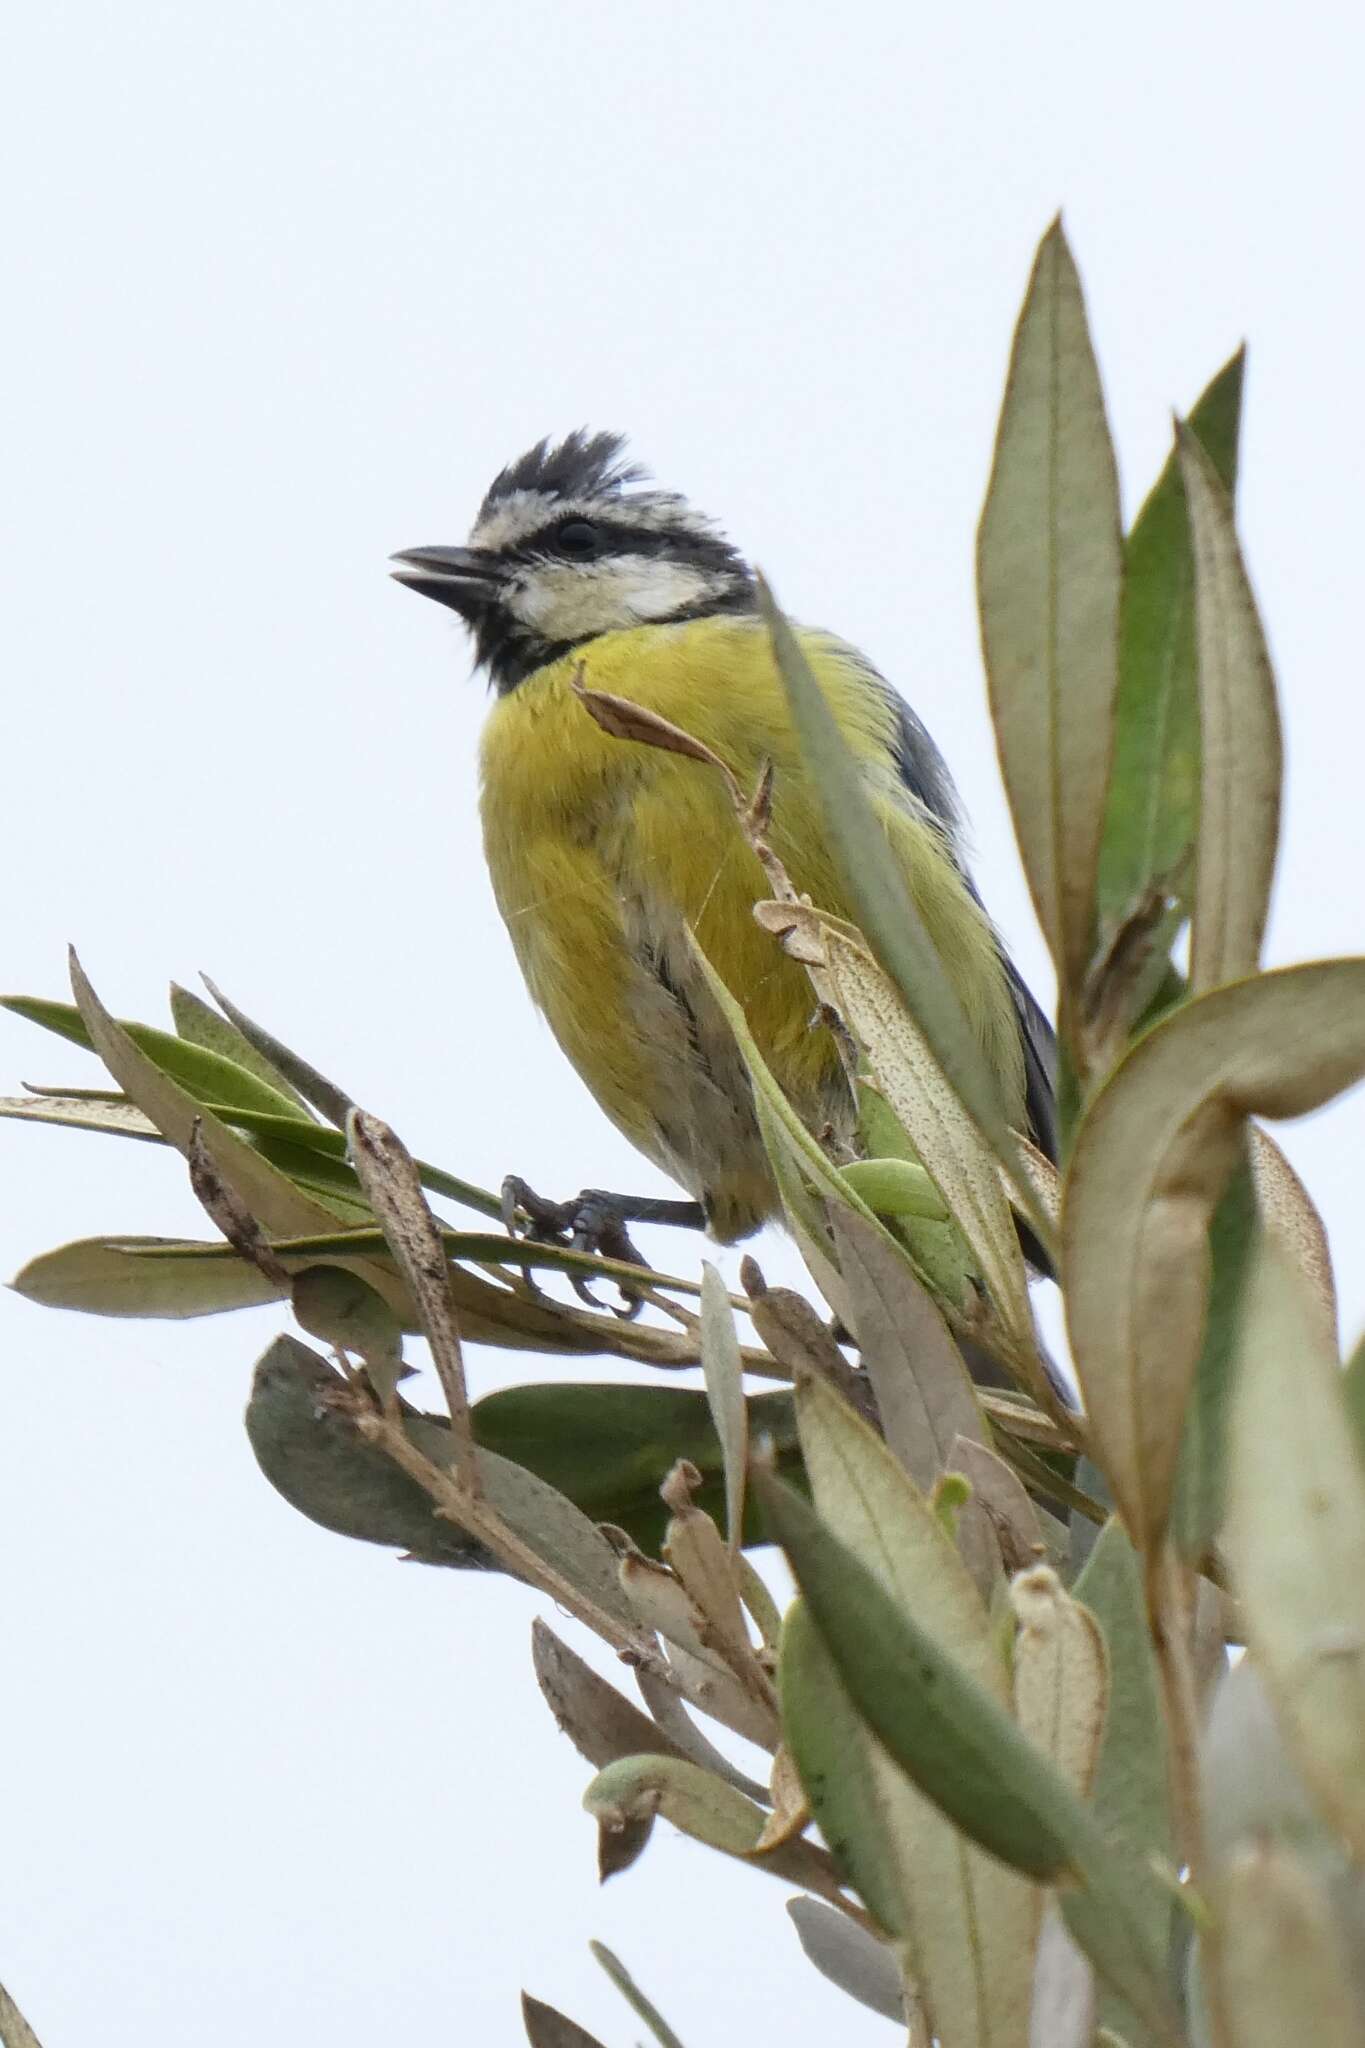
(1039,1041)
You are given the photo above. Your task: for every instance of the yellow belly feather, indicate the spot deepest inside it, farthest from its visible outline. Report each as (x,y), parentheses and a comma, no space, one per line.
(599,849)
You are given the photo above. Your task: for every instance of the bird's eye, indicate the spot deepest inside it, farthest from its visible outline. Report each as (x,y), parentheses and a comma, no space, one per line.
(577,537)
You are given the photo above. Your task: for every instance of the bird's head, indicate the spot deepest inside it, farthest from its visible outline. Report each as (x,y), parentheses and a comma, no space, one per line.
(571,541)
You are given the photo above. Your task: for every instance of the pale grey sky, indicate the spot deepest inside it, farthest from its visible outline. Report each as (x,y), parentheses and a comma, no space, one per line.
(288,285)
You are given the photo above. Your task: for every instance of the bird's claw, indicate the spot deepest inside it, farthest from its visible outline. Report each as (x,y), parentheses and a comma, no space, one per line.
(590,1222)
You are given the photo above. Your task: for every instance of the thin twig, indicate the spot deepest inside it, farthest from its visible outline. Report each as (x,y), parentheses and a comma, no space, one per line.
(482,1521)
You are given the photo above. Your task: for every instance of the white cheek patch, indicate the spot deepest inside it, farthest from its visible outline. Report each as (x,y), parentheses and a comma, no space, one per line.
(559,601)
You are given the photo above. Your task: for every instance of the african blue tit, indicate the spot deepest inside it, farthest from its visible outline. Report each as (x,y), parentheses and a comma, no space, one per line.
(603,852)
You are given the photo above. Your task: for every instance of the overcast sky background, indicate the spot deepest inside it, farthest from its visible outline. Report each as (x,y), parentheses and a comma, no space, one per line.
(289,284)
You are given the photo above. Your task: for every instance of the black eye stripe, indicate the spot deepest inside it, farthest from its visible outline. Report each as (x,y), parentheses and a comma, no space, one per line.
(618,537)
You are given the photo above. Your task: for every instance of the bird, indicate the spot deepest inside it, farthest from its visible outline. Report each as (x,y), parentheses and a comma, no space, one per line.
(603,854)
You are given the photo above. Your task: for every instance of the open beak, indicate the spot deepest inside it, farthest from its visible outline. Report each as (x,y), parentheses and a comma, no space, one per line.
(466,579)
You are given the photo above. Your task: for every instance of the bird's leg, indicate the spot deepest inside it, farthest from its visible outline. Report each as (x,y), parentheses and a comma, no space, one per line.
(593,1220)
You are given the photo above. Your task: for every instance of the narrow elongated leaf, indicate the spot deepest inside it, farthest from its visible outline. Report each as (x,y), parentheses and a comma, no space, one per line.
(1129,1792)
(309,1449)
(962,1749)
(1234,1233)
(275,1134)
(600,1461)
(599,1722)
(199,1024)
(1129,1795)
(805,1210)
(780,1124)
(703,1807)
(331,1101)
(634,1996)
(1061,1674)
(939,1249)
(681,1735)
(340,1310)
(1287,1212)
(1295,1538)
(477,1247)
(874,885)
(705,1565)
(945,1730)
(310,1153)
(869,1501)
(946,1139)
(206,1075)
(548,1524)
(871,1817)
(15,2031)
(791,1811)
(1241,753)
(1049,574)
(856,1961)
(104,1277)
(546,2028)
(205,1279)
(114,1115)
(610,1447)
(294,1073)
(759,1604)
(802,1342)
(704,1671)
(330,1180)
(1283,1969)
(1150,1164)
(388,1174)
(1153,805)
(723,1372)
(1023,1532)
(966,1924)
(311,1453)
(229,1214)
(944,1727)
(277,1205)
(924,1392)
(962,1953)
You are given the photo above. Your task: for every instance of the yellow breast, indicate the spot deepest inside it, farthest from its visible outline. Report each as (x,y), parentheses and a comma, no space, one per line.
(601,849)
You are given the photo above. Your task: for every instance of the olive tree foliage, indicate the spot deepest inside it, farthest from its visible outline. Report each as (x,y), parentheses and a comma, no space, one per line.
(1020,1795)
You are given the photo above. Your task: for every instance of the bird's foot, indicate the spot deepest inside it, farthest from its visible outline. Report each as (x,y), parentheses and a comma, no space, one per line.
(593,1221)
(588,1222)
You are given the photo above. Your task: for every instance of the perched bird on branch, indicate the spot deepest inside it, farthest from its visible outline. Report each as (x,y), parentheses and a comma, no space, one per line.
(603,853)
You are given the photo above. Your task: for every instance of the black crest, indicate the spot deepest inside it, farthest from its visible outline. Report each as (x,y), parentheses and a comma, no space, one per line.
(582,465)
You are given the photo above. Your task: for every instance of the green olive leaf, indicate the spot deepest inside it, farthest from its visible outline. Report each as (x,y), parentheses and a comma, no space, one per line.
(1049,576)
(965,1751)
(1152,1158)
(1153,806)
(1240,747)
(1295,1538)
